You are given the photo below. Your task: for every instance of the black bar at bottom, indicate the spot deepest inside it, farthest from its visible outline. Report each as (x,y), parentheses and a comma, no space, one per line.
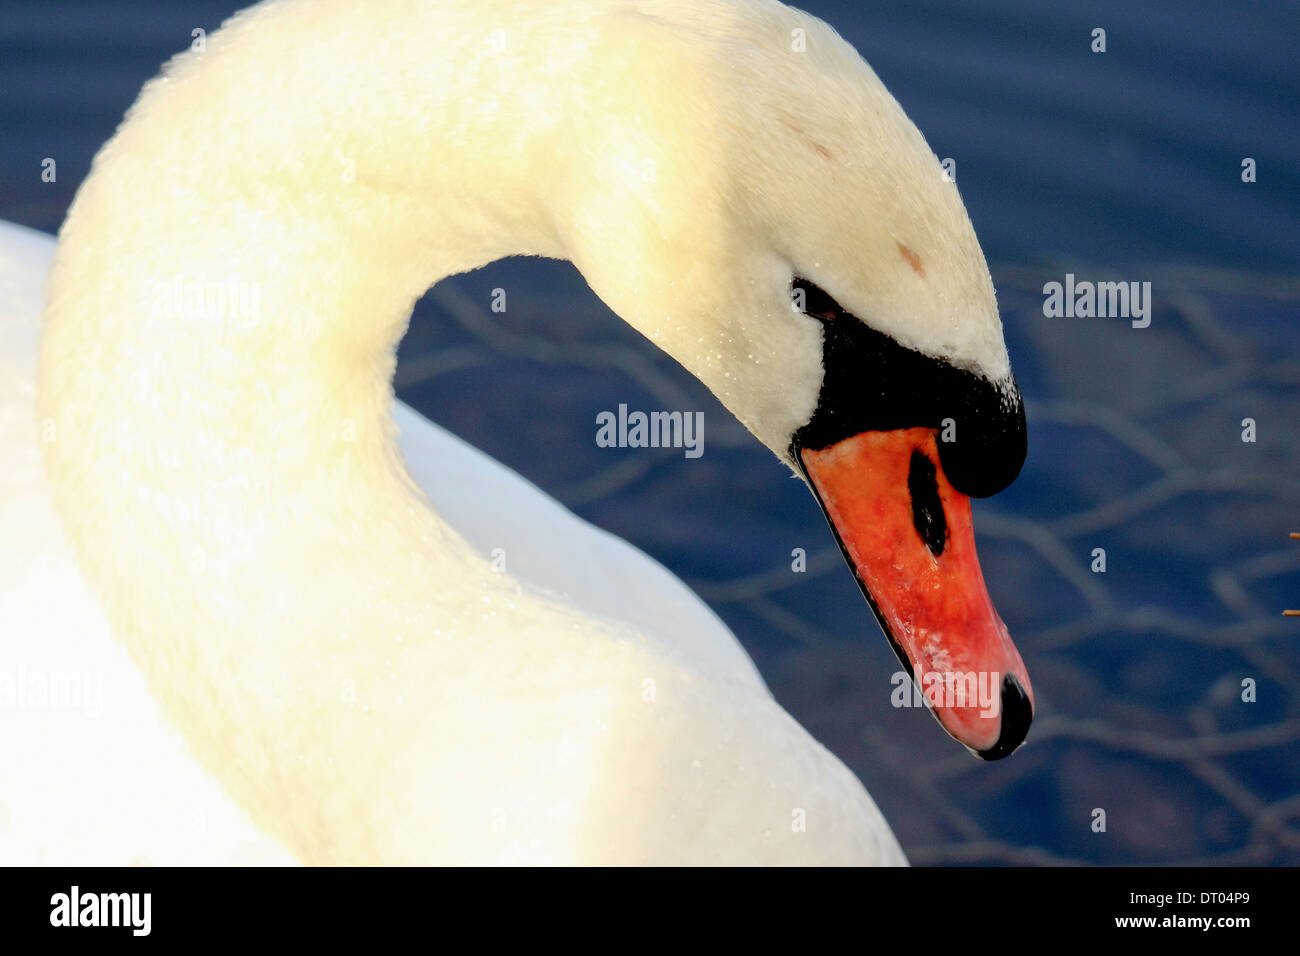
(950,905)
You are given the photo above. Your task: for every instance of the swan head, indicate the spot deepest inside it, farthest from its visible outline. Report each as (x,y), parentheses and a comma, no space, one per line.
(762,208)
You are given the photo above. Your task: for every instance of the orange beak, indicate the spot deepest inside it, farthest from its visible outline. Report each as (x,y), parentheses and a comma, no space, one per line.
(907,535)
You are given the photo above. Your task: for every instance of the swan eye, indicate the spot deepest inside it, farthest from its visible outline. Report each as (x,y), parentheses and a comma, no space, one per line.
(815,301)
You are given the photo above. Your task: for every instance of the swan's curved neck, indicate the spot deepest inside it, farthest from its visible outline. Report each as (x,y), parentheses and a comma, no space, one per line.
(384,163)
(216,367)
(240,297)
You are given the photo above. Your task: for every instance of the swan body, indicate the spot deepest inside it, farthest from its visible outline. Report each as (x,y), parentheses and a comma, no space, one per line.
(306,652)
(108,780)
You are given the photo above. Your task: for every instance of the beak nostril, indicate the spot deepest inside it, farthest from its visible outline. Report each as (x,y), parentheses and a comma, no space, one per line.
(1017,715)
(927,506)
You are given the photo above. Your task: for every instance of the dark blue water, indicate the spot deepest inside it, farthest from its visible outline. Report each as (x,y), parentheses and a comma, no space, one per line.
(1119,165)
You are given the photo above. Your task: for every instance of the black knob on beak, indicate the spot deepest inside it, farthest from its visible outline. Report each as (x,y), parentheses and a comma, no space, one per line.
(1017,715)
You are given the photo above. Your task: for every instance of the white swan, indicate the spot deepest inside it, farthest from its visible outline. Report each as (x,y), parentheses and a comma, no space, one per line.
(323,664)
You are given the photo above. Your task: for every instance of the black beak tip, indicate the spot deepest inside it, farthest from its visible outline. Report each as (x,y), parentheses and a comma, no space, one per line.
(1017,715)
